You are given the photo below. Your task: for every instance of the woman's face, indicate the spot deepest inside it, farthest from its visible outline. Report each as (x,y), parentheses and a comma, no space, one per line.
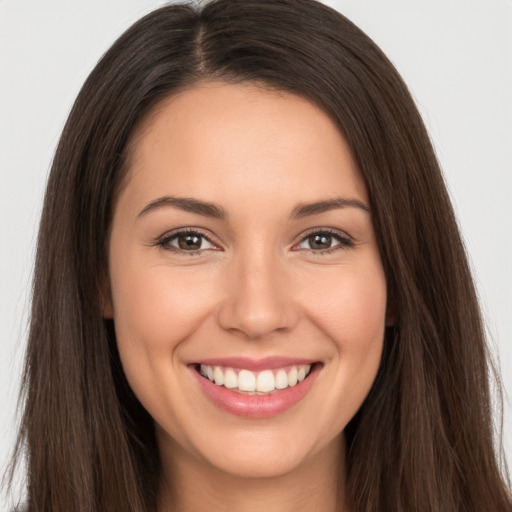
(248,294)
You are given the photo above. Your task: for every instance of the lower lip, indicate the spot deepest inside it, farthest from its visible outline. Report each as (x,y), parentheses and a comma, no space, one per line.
(257,406)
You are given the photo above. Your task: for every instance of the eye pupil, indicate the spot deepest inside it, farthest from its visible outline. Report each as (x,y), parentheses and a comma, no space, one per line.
(190,242)
(320,241)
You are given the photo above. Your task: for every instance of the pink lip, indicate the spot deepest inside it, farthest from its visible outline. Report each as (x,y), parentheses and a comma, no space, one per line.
(255,406)
(255,365)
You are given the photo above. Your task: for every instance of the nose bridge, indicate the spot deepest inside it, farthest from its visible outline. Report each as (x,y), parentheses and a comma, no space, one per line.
(258,300)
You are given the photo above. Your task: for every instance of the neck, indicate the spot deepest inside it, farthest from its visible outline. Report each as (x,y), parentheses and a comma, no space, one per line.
(192,485)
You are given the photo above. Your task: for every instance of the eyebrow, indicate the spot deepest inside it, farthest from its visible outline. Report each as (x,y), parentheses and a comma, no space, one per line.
(187,204)
(314,208)
(212,210)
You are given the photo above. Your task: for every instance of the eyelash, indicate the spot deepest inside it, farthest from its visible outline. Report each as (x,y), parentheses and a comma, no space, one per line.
(344,241)
(164,242)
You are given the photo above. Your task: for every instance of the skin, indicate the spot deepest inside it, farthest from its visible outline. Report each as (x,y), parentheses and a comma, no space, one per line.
(255,288)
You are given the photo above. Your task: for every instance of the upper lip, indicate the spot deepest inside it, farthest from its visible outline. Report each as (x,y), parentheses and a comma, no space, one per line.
(265,363)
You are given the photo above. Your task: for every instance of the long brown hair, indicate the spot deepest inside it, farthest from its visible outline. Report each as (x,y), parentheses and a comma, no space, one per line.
(423,439)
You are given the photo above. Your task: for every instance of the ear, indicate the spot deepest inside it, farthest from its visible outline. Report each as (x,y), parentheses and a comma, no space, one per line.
(107,307)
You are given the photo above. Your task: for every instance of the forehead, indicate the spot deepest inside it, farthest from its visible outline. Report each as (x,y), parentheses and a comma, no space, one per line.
(219,140)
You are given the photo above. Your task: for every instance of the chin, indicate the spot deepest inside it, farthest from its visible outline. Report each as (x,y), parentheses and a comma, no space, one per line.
(257,465)
(262,455)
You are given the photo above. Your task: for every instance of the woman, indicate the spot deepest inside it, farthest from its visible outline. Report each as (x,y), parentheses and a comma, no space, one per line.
(245,282)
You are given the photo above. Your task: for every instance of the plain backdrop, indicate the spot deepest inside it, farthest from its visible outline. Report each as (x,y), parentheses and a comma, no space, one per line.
(455,55)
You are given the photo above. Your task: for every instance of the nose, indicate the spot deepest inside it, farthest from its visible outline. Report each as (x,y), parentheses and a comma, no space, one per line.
(259,300)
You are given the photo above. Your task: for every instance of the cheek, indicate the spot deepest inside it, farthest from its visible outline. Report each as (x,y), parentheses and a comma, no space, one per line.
(349,305)
(352,315)
(351,312)
(157,307)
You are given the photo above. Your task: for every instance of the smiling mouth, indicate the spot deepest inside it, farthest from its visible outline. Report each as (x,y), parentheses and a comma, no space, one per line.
(247,382)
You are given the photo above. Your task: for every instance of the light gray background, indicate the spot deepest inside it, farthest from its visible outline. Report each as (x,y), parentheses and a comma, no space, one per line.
(456,56)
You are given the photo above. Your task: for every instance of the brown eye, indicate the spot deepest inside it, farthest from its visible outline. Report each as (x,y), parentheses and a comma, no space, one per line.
(320,241)
(189,242)
(325,241)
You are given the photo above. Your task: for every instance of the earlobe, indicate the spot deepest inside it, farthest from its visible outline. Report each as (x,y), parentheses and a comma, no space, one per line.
(107,308)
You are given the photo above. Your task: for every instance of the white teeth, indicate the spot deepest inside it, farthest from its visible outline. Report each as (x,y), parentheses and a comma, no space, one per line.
(230,379)
(281,379)
(266,381)
(246,381)
(292,376)
(218,376)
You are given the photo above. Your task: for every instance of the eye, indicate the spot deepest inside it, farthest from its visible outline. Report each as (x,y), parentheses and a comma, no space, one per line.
(186,241)
(325,241)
